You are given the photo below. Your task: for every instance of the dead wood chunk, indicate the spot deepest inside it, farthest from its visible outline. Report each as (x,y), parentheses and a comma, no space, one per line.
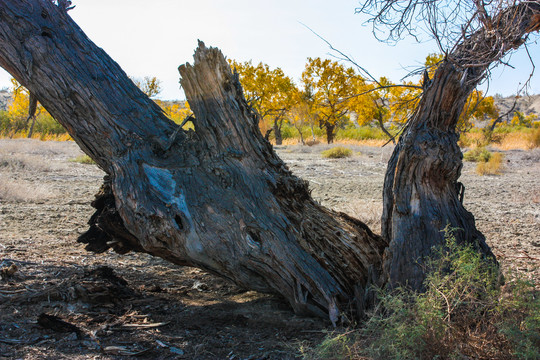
(106,273)
(54,323)
(8,271)
(102,286)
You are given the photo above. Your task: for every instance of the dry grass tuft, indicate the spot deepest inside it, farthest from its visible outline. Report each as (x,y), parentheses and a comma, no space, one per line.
(367,211)
(23,191)
(534,139)
(16,162)
(491,167)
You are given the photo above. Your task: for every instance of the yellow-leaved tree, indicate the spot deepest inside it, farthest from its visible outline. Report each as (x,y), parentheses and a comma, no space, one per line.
(269,92)
(177,111)
(384,102)
(18,107)
(150,85)
(333,86)
(304,112)
(27,116)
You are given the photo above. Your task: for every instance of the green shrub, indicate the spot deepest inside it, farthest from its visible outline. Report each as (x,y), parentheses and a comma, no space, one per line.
(334,346)
(477,155)
(360,133)
(288,132)
(46,124)
(83,159)
(337,152)
(463,313)
(5,123)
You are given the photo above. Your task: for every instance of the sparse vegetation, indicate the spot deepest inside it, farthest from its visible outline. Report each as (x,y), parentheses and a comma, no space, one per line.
(83,159)
(18,190)
(463,313)
(23,162)
(337,152)
(491,167)
(477,155)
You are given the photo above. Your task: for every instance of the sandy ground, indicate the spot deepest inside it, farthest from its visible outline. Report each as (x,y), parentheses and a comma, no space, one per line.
(136,305)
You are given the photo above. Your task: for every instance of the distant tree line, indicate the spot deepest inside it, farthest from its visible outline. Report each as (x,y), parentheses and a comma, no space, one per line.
(329,97)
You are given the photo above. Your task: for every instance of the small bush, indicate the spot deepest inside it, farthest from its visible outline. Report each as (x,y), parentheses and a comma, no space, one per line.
(462,314)
(337,152)
(477,155)
(83,159)
(491,167)
(334,346)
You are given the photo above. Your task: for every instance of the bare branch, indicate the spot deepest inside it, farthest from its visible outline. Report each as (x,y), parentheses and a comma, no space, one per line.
(345,57)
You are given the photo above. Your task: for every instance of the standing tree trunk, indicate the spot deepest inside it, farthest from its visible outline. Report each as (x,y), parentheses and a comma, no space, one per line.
(299,129)
(277,130)
(329,132)
(218,198)
(381,125)
(421,189)
(32,108)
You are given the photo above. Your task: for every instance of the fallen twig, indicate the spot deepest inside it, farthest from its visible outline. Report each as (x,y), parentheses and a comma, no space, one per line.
(122,350)
(12,341)
(11,292)
(145,326)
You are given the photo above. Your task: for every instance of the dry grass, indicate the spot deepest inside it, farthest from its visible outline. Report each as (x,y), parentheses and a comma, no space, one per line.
(16,162)
(511,141)
(514,141)
(367,142)
(39,136)
(19,190)
(37,148)
(534,139)
(470,140)
(367,211)
(491,167)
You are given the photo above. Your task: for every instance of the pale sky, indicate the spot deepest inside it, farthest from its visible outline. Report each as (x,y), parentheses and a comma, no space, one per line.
(152,38)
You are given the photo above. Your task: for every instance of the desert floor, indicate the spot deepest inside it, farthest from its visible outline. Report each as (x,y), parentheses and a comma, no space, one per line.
(134,304)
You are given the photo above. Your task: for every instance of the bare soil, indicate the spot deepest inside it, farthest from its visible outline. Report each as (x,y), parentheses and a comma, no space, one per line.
(121,306)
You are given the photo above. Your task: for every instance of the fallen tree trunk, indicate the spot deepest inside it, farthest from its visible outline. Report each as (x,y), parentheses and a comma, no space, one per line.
(218,198)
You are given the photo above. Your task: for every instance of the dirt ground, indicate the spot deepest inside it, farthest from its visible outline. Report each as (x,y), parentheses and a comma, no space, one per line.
(121,306)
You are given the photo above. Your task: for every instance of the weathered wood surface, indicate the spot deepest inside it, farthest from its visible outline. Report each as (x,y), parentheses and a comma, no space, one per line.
(217,198)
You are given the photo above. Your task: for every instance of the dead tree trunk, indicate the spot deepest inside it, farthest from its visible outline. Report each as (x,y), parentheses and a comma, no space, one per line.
(217,198)
(421,190)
